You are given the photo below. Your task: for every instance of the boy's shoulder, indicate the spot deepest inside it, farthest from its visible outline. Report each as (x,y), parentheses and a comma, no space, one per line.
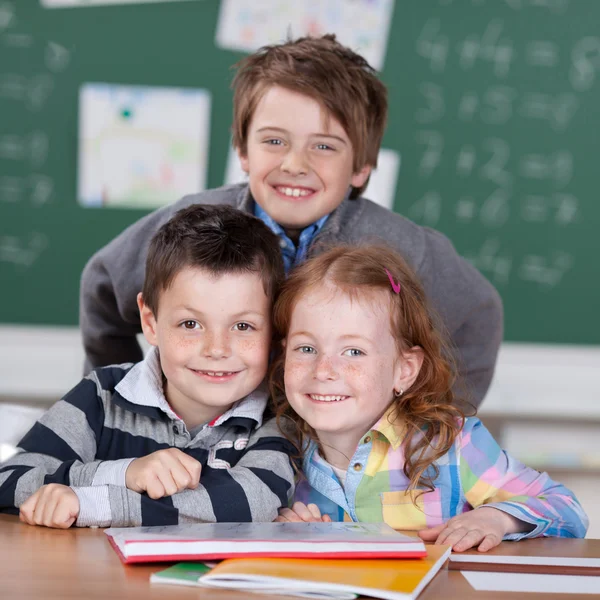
(107,378)
(362,220)
(232,195)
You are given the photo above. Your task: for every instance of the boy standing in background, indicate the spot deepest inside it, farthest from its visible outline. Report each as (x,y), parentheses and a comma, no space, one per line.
(177,437)
(309,116)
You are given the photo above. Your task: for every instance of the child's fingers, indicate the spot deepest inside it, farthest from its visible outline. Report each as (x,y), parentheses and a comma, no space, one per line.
(431,534)
(313,509)
(168,482)
(28,507)
(326,519)
(154,488)
(491,540)
(471,538)
(65,513)
(181,477)
(451,537)
(287,514)
(304,512)
(193,467)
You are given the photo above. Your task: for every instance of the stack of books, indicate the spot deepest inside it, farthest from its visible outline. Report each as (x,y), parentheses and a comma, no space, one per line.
(328,561)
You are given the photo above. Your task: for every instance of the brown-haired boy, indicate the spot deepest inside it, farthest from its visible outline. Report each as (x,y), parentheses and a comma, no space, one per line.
(179,436)
(309,116)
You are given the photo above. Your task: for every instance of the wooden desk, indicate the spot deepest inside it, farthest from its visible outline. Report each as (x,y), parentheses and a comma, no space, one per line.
(36,562)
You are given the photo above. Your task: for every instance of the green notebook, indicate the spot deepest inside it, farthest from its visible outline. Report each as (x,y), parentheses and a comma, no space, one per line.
(184,573)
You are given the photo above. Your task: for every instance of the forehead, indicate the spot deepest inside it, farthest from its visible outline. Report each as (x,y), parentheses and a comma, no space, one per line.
(294,111)
(194,286)
(326,302)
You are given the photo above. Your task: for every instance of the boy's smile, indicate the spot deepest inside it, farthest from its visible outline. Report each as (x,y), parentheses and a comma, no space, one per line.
(299,159)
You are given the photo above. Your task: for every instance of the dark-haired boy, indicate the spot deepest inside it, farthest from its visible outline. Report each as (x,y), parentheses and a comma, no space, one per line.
(177,437)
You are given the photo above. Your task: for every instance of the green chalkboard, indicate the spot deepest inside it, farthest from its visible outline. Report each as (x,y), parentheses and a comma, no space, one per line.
(494,107)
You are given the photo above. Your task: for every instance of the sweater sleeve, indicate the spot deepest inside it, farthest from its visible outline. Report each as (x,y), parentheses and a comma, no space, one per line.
(471,312)
(59,448)
(252,490)
(491,477)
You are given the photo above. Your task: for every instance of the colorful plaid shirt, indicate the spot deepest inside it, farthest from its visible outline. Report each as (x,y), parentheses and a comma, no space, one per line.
(474,472)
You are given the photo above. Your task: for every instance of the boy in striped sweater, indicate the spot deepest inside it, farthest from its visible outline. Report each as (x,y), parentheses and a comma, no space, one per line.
(179,436)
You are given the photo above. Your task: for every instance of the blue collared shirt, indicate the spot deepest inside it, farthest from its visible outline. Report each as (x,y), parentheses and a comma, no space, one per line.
(292,255)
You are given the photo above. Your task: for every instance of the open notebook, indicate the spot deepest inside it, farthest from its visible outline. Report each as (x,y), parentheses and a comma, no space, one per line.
(388,579)
(207,541)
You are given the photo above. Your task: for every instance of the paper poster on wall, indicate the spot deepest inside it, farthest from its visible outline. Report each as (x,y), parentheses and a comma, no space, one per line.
(382,183)
(363,25)
(78,3)
(141,147)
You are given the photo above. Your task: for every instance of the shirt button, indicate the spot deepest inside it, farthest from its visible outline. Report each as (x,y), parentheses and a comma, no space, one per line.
(367,439)
(282,243)
(175,430)
(357,466)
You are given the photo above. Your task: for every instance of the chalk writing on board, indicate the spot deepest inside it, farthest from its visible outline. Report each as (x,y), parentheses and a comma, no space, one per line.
(585,58)
(545,270)
(7,15)
(432,154)
(33,91)
(542,53)
(32,147)
(22,251)
(56,57)
(35,188)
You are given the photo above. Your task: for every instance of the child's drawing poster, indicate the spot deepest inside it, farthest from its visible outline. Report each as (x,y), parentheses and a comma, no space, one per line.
(363,25)
(141,147)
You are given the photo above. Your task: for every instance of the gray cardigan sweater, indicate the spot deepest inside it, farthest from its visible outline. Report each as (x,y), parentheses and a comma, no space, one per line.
(468,304)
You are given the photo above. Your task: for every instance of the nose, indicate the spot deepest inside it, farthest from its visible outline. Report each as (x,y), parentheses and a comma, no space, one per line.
(325,369)
(294,163)
(216,345)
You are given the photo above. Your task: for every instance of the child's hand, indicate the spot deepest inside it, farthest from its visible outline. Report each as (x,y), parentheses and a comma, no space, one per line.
(53,505)
(300,512)
(484,528)
(163,473)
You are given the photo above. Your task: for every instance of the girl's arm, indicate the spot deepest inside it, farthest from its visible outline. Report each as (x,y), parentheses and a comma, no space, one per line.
(491,477)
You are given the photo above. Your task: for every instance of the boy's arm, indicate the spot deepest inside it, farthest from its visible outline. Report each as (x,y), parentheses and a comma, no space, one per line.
(108,314)
(471,310)
(253,490)
(59,448)
(491,477)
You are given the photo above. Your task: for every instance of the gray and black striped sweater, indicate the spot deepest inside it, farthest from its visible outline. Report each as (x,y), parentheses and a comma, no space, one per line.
(117,414)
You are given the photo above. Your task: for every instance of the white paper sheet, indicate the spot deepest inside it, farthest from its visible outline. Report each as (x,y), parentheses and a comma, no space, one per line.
(363,25)
(139,146)
(529,582)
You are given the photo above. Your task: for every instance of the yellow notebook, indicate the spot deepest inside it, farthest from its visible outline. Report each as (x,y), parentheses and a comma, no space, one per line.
(329,579)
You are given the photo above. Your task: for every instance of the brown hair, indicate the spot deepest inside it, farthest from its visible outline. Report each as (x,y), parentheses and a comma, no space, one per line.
(219,239)
(428,408)
(342,81)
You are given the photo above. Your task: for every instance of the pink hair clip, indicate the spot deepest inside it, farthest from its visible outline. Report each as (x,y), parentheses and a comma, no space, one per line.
(395,286)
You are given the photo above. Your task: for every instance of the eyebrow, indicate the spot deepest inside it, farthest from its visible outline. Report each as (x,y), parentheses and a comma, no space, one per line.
(324,135)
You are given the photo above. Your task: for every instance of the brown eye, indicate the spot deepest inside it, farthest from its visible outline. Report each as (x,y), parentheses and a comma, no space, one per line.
(243,326)
(189,324)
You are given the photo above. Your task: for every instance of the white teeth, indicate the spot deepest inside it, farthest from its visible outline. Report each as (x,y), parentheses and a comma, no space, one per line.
(293,192)
(320,398)
(218,373)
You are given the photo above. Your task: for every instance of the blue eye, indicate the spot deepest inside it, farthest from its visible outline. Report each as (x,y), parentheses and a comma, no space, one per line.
(306,350)
(273,142)
(354,352)
(324,147)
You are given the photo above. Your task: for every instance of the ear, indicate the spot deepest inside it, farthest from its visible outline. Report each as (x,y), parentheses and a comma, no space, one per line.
(244,163)
(148,321)
(358,179)
(408,368)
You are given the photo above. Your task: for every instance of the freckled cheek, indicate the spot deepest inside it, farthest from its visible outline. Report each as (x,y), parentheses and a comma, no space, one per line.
(254,350)
(295,373)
